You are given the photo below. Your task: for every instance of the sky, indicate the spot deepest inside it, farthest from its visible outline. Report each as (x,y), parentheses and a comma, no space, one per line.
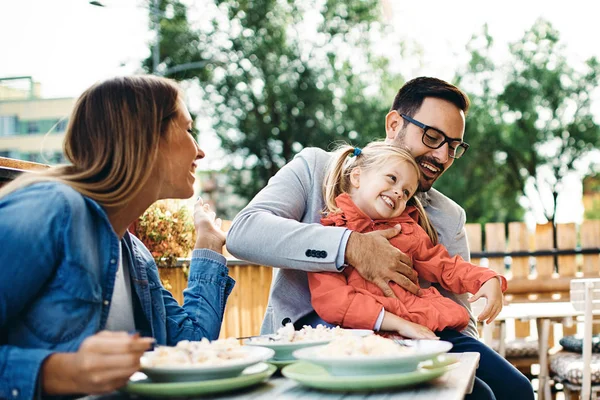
(67,45)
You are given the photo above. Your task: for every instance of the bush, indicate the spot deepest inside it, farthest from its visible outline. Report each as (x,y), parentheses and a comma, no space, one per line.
(167,230)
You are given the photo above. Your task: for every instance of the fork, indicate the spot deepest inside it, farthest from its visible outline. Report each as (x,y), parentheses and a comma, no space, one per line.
(403,342)
(271,339)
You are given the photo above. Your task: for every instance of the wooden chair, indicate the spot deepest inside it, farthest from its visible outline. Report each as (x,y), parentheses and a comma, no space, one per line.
(581,372)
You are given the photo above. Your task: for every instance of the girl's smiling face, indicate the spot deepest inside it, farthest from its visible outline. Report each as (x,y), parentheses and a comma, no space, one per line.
(382,193)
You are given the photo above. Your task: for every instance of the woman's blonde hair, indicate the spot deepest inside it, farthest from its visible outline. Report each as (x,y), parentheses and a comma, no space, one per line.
(112,140)
(374,155)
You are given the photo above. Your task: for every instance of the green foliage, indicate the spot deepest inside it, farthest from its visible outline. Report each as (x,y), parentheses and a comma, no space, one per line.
(549,101)
(594,212)
(276,84)
(166,228)
(530,115)
(479,181)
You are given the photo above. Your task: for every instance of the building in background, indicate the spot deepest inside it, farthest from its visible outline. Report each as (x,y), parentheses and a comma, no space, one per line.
(32,128)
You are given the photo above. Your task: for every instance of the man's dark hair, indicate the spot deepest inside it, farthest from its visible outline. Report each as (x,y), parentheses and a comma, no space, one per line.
(410,97)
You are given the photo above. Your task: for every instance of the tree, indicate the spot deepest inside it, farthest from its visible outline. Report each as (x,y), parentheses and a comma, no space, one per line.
(479,181)
(548,104)
(538,122)
(275,84)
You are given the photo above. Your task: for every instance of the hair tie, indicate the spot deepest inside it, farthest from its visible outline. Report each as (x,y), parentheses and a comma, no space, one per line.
(357,151)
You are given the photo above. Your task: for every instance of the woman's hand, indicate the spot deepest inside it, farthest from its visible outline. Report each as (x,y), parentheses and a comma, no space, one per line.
(392,322)
(208,229)
(492,291)
(103,363)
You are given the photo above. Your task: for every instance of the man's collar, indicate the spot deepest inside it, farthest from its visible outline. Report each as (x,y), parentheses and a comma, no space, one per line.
(424,198)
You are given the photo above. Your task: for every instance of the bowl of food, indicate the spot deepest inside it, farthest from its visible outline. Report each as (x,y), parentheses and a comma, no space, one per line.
(202,360)
(372,355)
(287,340)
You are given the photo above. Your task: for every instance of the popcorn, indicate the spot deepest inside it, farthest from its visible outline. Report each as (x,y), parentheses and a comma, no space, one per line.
(287,334)
(191,354)
(355,346)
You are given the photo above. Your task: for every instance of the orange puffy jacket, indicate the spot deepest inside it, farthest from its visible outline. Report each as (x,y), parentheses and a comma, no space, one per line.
(348,300)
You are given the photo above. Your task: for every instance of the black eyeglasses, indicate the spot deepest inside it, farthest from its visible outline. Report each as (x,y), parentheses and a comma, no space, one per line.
(434,139)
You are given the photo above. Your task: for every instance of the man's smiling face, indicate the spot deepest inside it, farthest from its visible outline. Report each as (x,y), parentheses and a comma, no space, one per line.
(439,114)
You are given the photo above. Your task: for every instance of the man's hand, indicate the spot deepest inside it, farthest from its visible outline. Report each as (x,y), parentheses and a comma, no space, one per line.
(492,291)
(376,260)
(208,228)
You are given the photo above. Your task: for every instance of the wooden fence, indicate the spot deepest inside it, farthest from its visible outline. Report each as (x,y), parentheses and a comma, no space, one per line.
(534,278)
(530,278)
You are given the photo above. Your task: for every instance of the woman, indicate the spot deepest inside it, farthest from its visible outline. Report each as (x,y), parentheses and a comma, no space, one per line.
(73,281)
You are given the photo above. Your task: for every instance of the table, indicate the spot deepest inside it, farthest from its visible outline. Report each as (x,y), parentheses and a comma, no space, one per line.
(543,314)
(453,385)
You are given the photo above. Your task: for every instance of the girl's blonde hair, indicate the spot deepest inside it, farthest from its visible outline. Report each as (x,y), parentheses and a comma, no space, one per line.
(374,155)
(112,140)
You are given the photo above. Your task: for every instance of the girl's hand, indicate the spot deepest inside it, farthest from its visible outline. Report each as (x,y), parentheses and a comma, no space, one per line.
(392,322)
(415,331)
(492,291)
(103,363)
(208,228)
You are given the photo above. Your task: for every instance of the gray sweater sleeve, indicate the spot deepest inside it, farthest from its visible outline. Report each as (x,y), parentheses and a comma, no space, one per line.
(280,226)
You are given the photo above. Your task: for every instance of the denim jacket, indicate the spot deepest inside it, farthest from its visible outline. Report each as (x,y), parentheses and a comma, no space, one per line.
(58,260)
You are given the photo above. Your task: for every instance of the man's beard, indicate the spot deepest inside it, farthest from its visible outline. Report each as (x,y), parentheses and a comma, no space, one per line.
(428,182)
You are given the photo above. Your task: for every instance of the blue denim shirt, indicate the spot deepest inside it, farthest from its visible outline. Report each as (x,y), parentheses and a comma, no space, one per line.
(58,260)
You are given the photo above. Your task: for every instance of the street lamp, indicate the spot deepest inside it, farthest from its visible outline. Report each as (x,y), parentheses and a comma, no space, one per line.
(155,25)
(156,14)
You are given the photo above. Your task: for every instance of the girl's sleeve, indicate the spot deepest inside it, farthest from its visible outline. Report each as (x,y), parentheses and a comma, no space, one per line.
(339,303)
(434,263)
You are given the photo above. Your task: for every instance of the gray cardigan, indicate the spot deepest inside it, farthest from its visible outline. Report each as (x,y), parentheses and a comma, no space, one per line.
(281,227)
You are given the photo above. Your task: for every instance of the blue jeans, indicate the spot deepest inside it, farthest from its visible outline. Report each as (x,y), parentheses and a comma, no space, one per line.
(495,378)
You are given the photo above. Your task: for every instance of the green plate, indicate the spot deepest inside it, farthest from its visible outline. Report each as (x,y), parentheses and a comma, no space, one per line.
(180,389)
(283,363)
(317,377)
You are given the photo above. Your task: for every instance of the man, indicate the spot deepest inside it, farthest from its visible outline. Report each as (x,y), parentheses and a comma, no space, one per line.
(280,227)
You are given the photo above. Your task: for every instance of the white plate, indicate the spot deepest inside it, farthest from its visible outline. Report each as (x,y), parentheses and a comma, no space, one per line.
(187,373)
(421,350)
(284,350)
(360,332)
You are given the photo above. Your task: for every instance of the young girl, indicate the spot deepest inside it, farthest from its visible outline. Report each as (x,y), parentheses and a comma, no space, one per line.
(374,190)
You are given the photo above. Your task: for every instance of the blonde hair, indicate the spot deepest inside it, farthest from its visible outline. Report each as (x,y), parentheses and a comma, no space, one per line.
(374,155)
(112,139)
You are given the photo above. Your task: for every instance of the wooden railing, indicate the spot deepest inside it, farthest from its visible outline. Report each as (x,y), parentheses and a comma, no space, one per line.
(11,168)
(531,272)
(530,278)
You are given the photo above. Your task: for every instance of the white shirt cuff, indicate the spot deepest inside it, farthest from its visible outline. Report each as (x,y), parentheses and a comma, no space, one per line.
(341,255)
(379,320)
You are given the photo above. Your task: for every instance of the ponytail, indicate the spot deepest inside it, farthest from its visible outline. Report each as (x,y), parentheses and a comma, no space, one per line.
(374,155)
(337,180)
